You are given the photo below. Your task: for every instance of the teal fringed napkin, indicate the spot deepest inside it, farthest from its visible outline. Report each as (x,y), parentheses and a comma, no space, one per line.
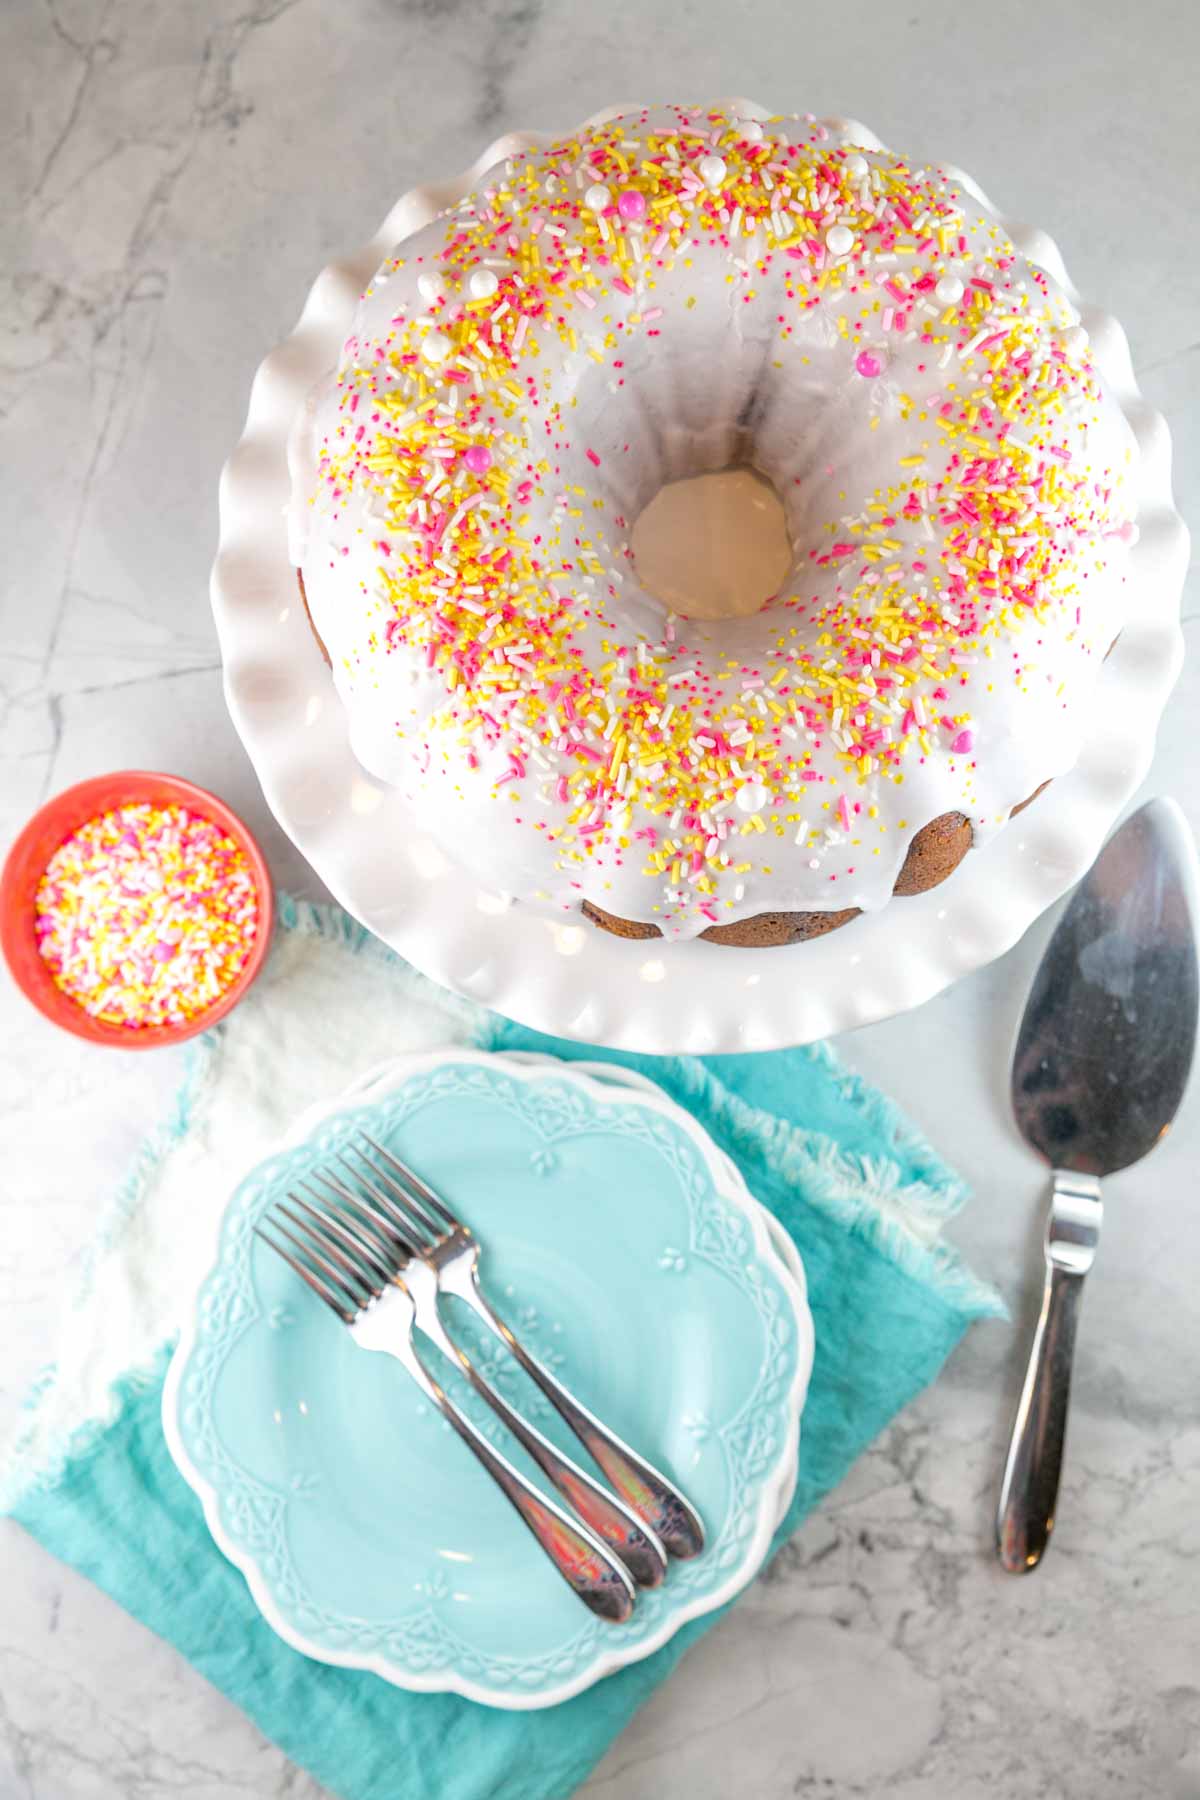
(858,1189)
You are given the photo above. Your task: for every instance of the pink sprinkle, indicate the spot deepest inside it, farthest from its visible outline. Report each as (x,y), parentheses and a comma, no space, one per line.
(962,743)
(593,458)
(631,204)
(869,363)
(844,812)
(562,792)
(622,286)
(478,459)
(652,312)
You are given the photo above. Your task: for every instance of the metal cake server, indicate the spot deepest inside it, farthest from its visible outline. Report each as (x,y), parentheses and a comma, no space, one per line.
(1100,1067)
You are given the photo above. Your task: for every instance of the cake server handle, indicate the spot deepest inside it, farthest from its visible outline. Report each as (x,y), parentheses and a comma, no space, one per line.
(1029,1490)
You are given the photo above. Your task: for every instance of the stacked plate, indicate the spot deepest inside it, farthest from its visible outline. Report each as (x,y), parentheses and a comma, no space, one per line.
(627,1253)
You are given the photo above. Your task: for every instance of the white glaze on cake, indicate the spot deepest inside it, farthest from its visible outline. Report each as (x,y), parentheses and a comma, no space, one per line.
(497,658)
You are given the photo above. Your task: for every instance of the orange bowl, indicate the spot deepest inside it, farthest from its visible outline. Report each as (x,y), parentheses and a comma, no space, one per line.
(26,863)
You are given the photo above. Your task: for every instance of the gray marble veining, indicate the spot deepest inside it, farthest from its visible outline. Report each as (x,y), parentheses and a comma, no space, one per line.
(173,178)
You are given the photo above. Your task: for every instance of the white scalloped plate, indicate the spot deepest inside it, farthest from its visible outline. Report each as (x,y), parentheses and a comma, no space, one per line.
(574,980)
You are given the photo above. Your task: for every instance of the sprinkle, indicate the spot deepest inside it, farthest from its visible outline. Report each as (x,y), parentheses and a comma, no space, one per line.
(870,363)
(598,198)
(949,290)
(482,284)
(839,240)
(962,743)
(712,171)
(751,797)
(436,346)
(478,459)
(431,288)
(631,204)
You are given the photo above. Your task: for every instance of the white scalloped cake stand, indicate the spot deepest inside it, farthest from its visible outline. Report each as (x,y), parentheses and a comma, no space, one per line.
(569,978)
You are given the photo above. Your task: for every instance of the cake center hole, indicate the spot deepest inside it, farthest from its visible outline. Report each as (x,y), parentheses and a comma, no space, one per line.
(713,546)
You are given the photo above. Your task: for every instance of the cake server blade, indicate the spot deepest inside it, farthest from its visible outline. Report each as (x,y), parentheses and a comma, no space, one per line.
(1101,1063)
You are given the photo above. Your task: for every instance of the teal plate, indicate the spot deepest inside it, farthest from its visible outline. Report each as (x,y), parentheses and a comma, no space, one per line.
(624,1248)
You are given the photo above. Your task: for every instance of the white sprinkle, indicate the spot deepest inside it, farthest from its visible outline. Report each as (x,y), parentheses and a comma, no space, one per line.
(598,197)
(482,284)
(949,290)
(856,167)
(435,347)
(712,171)
(839,240)
(430,287)
(749,129)
(751,797)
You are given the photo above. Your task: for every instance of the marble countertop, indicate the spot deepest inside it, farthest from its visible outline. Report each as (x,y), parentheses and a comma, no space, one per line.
(174,177)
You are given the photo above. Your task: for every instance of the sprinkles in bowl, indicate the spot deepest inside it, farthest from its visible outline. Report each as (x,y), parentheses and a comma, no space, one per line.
(146,914)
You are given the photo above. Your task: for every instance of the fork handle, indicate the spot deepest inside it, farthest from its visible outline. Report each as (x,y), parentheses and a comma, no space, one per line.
(610,1518)
(640,1485)
(581,1559)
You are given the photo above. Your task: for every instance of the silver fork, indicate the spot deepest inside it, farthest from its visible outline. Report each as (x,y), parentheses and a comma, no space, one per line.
(443,1244)
(609,1517)
(343,1270)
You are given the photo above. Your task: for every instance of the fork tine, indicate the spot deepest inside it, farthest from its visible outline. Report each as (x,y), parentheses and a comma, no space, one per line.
(407,1201)
(397,1243)
(346,1232)
(356,1266)
(420,1189)
(383,1243)
(319,1287)
(403,1218)
(357,1290)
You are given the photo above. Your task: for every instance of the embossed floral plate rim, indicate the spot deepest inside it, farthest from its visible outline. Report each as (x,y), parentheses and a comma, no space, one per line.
(605,1089)
(575,981)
